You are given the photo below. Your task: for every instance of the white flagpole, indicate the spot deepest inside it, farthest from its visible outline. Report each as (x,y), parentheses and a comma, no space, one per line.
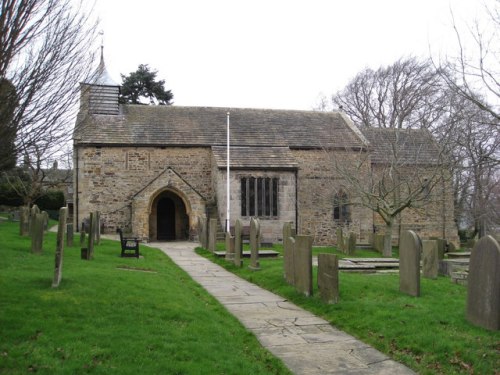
(228,194)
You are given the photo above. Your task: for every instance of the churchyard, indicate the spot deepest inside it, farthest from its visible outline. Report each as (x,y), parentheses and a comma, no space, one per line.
(113,315)
(415,316)
(94,311)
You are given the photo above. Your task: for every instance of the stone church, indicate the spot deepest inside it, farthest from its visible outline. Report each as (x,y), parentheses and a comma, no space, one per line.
(154,170)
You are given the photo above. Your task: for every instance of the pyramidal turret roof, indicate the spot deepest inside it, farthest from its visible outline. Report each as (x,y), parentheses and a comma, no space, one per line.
(101,76)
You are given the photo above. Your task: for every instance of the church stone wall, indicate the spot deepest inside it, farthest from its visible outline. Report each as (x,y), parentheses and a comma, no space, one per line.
(271,227)
(318,182)
(108,179)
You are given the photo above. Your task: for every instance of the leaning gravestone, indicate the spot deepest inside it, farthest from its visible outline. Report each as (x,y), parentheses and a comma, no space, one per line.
(254,244)
(378,242)
(212,235)
(328,278)
(59,247)
(483,290)
(302,261)
(37,233)
(229,247)
(430,259)
(409,263)
(238,243)
(288,246)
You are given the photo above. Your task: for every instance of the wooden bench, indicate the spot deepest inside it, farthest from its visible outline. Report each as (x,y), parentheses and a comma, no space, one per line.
(130,245)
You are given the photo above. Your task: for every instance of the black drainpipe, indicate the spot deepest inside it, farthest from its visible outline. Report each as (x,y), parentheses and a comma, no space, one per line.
(75,192)
(297,201)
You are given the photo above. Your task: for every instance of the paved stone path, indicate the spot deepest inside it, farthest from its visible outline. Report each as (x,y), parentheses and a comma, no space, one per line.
(306,343)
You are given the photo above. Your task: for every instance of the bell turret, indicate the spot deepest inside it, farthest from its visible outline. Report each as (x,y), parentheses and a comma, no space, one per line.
(100,93)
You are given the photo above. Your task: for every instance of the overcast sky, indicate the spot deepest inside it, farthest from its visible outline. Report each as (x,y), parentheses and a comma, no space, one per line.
(279,54)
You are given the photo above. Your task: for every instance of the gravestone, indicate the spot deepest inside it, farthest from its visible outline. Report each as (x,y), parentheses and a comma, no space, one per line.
(59,247)
(351,244)
(289,264)
(441,246)
(340,240)
(238,243)
(69,235)
(15,215)
(45,220)
(82,235)
(229,247)
(328,278)
(483,289)
(91,237)
(378,242)
(37,233)
(212,235)
(288,247)
(33,211)
(409,263)
(24,219)
(430,259)
(97,227)
(254,244)
(202,232)
(302,261)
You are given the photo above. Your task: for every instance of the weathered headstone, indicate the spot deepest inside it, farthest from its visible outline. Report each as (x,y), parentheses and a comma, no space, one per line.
(15,215)
(45,220)
(328,278)
(289,250)
(91,237)
(59,247)
(340,240)
(254,244)
(212,235)
(238,243)
(409,263)
(33,211)
(288,246)
(82,236)
(351,244)
(302,262)
(97,227)
(430,259)
(441,246)
(69,235)
(229,247)
(378,242)
(37,233)
(483,289)
(24,219)
(202,232)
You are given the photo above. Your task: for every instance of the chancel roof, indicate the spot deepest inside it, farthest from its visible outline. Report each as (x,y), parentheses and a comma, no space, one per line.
(402,146)
(142,125)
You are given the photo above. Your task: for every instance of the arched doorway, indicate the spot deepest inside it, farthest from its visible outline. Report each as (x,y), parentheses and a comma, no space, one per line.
(165,219)
(168,219)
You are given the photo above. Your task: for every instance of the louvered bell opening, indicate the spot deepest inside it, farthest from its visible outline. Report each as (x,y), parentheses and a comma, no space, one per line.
(104,100)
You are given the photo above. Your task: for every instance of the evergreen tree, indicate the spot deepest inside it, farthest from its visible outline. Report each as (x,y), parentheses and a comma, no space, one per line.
(141,87)
(8,129)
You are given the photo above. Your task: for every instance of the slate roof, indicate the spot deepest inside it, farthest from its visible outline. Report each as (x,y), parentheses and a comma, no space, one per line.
(255,157)
(142,125)
(402,146)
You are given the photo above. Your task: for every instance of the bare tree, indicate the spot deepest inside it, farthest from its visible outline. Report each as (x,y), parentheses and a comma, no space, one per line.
(473,72)
(45,51)
(404,101)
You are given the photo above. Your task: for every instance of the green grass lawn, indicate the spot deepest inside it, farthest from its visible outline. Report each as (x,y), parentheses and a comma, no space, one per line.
(430,334)
(109,316)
